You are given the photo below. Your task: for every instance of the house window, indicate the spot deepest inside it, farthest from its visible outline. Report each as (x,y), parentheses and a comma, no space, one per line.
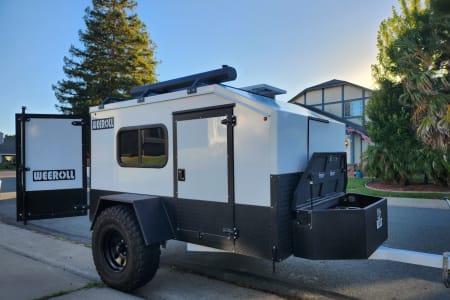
(353,108)
(142,147)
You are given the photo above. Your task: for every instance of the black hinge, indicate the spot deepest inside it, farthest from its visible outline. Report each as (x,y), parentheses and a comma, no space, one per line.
(23,168)
(233,233)
(230,120)
(27,119)
(78,123)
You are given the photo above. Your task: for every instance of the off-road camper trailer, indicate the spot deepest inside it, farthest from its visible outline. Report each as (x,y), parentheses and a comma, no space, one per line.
(198,161)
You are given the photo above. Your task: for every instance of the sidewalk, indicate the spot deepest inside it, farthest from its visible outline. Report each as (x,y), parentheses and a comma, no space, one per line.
(7,173)
(35,265)
(418,203)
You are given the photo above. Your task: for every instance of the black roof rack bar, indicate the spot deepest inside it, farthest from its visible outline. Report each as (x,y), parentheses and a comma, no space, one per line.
(191,82)
(108,100)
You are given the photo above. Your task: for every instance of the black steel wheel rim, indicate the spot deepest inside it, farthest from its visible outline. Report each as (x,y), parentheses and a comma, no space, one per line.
(115,250)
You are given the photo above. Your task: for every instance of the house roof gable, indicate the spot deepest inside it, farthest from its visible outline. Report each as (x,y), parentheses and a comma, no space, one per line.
(326,84)
(334,117)
(8,147)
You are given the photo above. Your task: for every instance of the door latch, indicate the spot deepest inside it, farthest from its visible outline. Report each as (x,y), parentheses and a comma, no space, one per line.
(181,175)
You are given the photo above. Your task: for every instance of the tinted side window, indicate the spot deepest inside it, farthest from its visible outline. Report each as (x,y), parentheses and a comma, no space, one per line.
(128,147)
(154,147)
(143,147)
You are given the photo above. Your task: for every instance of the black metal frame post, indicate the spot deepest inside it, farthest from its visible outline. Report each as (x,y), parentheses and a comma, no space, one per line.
(22,167)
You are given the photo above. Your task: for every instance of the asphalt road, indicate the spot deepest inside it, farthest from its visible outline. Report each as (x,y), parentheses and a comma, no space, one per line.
(419,229)
(413,228)
(8,185)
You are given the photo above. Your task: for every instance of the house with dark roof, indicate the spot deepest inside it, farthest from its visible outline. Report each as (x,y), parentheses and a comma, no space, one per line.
(8,149)
(345,102)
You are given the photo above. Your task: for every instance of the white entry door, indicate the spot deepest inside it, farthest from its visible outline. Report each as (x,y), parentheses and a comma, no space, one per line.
(204,176)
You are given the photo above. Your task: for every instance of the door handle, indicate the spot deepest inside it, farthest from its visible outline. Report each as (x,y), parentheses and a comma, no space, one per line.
(181,175)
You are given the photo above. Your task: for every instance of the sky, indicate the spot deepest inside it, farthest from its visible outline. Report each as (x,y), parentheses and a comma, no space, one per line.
(289,44)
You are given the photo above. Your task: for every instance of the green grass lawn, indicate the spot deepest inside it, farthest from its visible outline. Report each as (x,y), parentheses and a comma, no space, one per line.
(7,166)
(357,185)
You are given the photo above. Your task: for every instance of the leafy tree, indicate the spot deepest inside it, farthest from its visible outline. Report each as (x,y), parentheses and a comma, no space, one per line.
(414,57)
(414,50)
(393,154)
(117,55)
(434,165)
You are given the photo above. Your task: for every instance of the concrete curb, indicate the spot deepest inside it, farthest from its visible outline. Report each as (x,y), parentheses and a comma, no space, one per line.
(98,294)
(10,195)
(405,192)
(49,250)
(418,203)
(64,255)
(53,263)
(7,173)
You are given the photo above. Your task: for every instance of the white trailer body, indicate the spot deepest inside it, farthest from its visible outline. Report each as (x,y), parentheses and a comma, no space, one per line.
(210,165)
(270,138)
(225,192)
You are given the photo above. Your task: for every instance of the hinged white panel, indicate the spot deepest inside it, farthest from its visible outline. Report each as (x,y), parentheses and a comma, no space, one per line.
(53,154)
(202,154)
(326,137)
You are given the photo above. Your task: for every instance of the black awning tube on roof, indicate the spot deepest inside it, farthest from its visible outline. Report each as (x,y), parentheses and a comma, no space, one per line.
(226,73)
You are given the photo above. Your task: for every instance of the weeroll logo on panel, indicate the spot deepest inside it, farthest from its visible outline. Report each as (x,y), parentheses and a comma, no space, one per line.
(53,175)
(106,123)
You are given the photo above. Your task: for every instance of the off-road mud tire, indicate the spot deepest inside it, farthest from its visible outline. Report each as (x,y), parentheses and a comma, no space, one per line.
(121,257)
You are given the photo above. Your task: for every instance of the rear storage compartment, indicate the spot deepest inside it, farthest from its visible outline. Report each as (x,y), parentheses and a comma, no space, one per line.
(329,223)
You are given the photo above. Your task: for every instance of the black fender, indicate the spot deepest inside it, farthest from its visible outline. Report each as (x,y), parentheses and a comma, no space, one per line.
(153,214)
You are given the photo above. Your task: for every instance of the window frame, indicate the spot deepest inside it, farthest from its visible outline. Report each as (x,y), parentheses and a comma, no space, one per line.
(350,104)
(139,129)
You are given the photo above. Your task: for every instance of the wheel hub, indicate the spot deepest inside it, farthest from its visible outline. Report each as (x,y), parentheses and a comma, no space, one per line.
(115,251)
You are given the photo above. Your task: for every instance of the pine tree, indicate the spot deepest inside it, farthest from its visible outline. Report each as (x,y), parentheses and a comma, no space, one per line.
(393,156)
(117,55)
